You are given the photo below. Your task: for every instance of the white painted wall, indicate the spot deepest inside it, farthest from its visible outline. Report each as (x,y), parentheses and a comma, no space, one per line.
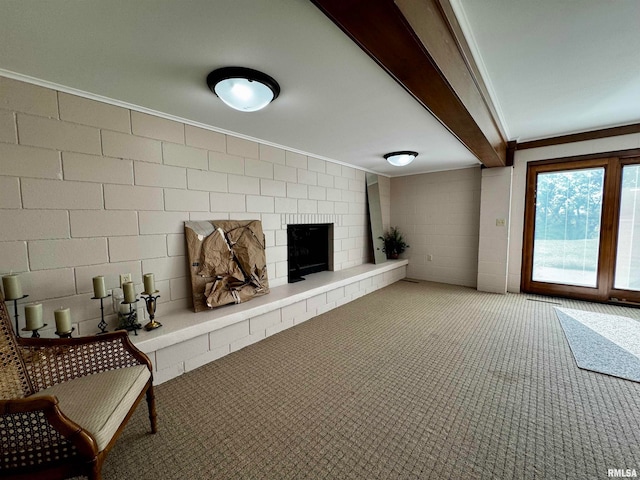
(494,229)
(88,188)
(439,214)
(448,214)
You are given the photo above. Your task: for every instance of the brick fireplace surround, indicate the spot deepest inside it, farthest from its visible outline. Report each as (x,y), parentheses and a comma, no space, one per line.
(189,340)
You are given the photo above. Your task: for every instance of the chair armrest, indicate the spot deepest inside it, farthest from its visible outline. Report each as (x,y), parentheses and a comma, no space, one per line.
(42,435)
(51,361)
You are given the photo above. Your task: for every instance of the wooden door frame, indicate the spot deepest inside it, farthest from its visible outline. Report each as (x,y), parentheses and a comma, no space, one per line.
(604,291)
(599,293)
(622,296)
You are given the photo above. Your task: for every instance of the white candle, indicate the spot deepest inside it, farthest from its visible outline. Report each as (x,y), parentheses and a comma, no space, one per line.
(63,320)
(33,314)
(149,283)
(99,289)
(12,287)
(129,292)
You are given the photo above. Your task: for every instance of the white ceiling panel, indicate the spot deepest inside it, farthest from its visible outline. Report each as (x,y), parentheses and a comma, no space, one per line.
(558,66)
(553,67)
(336,103)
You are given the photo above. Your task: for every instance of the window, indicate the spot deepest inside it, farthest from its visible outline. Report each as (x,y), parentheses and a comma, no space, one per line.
(582,229)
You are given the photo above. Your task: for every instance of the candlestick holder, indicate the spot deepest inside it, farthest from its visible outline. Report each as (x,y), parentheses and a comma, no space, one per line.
(66,334)
(34,332)
(129,320)
(150,300)
(102,325)
(15,311)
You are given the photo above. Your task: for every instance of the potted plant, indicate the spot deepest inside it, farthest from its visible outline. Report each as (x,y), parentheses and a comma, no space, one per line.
(394,243)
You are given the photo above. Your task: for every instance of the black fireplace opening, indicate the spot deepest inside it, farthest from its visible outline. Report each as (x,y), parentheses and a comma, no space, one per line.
(308,249)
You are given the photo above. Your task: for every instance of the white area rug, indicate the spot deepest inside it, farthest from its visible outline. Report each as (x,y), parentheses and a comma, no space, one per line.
(607,344)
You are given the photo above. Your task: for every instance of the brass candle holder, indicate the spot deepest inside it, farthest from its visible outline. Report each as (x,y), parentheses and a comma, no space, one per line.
(151,301)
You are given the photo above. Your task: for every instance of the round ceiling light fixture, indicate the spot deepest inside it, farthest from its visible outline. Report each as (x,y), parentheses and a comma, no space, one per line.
(400,159)
(243,89)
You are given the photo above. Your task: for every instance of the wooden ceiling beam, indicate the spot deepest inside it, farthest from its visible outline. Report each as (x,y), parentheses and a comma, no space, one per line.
(414,42)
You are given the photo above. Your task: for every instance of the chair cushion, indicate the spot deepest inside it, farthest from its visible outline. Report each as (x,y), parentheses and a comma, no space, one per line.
(100,402)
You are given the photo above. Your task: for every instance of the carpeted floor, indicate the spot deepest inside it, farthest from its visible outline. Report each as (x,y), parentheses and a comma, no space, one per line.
(415,381)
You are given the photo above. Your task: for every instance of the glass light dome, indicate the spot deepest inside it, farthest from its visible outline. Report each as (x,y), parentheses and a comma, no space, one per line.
(243,89)
(400,159)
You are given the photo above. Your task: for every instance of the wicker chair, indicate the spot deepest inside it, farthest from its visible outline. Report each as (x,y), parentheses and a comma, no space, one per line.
(63,402)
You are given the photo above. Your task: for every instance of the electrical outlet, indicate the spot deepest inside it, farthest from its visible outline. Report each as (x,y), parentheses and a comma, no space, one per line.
(124,278)
(500,222)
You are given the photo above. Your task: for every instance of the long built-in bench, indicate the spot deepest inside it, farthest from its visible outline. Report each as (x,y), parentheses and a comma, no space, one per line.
(189,340)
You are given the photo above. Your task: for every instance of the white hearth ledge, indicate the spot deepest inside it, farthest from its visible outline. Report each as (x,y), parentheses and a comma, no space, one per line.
(187,340)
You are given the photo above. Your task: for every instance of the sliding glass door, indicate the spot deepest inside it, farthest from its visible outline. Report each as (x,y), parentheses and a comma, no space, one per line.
(627,273)
(567,226)
(582,229)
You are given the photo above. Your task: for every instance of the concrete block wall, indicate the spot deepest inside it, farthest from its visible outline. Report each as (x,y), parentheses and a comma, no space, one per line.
(89,188)
(439,215)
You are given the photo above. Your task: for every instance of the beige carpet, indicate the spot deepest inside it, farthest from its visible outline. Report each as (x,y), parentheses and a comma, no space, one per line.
(415,381)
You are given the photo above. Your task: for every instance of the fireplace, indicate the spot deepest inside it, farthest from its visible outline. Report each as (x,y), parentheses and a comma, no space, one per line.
(309,249)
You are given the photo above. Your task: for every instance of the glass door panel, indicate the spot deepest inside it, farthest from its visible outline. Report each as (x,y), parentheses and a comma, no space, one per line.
(627,273)
(568,215)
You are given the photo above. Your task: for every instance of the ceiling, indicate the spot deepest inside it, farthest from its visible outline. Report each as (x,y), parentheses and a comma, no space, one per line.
(551,67)
(557,66)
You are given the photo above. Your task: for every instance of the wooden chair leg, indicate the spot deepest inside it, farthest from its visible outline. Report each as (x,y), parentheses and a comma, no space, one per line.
(96,469)
(151,402)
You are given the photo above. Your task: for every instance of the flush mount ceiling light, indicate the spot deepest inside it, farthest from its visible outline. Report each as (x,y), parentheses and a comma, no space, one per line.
(242,88)
(400,159)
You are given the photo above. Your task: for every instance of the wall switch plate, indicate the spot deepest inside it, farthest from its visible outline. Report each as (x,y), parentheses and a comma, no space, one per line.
(429,258)
(124,278)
